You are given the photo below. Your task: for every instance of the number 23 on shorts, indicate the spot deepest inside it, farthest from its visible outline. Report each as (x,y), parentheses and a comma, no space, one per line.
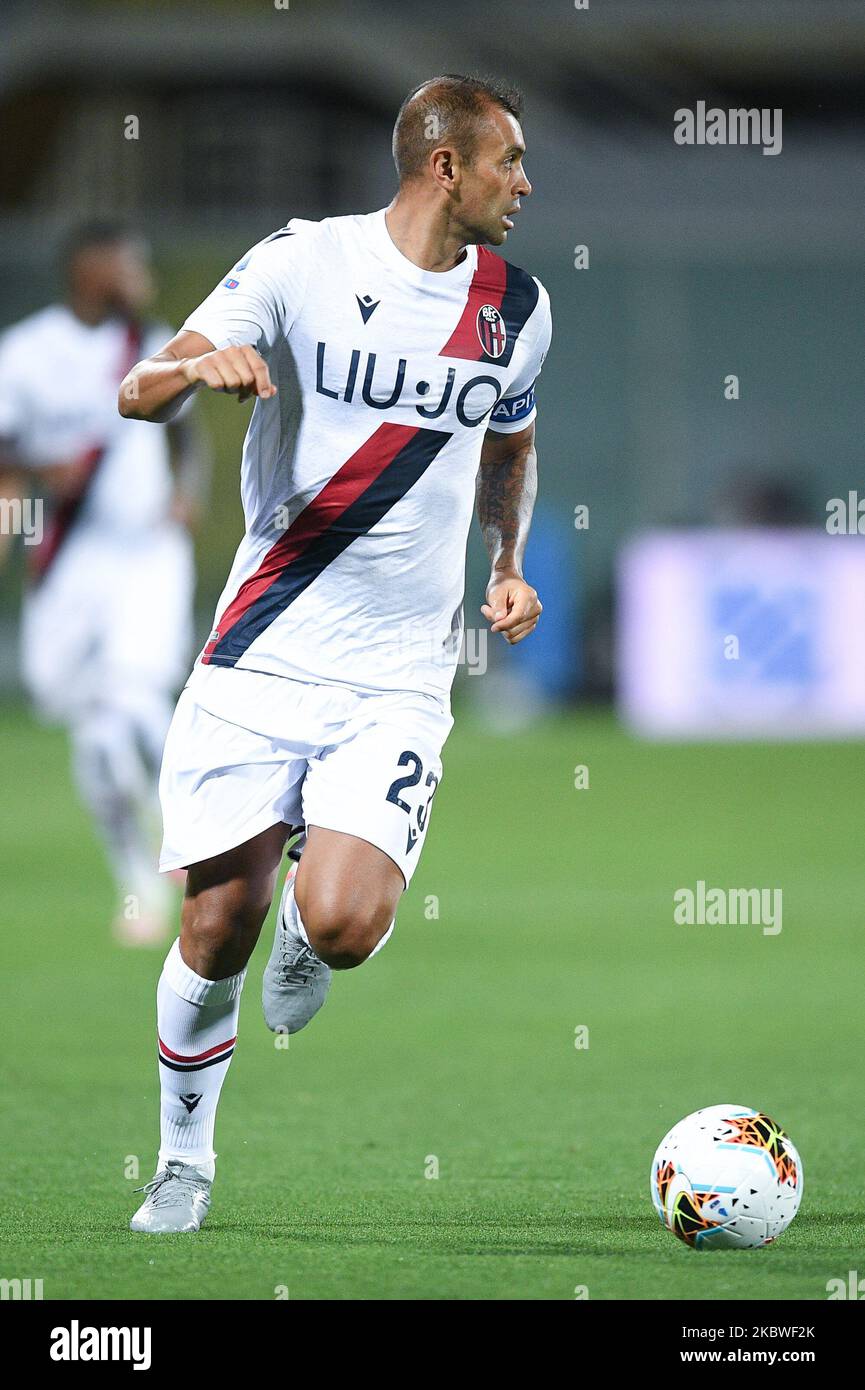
(411,779)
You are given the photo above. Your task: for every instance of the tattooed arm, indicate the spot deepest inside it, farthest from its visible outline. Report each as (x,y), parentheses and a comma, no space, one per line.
(506,486)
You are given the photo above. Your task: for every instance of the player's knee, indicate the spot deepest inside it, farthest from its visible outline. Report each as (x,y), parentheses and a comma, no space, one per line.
(344,935)
(225,917)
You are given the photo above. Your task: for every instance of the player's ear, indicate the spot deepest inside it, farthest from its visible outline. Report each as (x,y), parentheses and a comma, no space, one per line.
(445,168)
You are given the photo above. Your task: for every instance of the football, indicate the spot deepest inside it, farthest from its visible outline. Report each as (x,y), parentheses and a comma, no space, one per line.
(726,1177)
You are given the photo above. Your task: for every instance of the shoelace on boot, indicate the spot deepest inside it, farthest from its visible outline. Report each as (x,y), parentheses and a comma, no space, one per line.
(297,961)
(159,1194)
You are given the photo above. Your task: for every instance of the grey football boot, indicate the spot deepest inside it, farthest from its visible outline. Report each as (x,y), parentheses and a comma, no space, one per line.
(296,982)
(177,1200)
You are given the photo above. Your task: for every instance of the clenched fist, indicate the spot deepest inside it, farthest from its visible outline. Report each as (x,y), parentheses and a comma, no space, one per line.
(241,371)
(512,608)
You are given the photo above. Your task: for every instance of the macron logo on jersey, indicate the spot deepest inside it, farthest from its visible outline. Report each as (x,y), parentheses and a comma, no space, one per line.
(514,408)
(367,306)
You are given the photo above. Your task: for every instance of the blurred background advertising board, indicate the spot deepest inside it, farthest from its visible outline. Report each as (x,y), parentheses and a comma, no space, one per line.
(752,633)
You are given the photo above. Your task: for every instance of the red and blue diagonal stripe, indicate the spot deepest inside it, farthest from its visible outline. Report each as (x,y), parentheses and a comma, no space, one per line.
(197,1061)
(358,495)
(507,288)
(68,512)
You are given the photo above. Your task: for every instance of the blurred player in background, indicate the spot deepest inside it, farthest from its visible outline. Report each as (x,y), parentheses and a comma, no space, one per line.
(106,621)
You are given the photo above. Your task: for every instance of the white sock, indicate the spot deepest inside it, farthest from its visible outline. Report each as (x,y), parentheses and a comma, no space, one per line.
(383,942)
(289,911)
(197,1022)
(117,781)
(294,924)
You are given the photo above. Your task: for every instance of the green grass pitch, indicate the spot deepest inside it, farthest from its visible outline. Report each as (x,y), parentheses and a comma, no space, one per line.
(554,911)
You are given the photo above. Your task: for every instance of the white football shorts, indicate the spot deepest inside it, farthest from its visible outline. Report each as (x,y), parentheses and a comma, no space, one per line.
(112,616)
(247,750)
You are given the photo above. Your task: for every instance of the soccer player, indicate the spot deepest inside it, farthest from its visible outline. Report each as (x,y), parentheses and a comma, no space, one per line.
(392,360)
(106,621)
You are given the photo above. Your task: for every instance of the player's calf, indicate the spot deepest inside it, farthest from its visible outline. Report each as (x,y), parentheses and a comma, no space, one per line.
(219,930)
(227,899)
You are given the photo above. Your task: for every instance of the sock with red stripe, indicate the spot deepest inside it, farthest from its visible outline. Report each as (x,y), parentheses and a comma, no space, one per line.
(197,1022)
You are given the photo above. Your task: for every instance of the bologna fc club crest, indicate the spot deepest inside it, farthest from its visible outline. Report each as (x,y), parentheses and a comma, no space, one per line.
(492,333)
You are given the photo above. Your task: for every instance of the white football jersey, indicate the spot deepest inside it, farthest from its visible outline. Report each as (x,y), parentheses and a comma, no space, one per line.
(59,379)
(358,477)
